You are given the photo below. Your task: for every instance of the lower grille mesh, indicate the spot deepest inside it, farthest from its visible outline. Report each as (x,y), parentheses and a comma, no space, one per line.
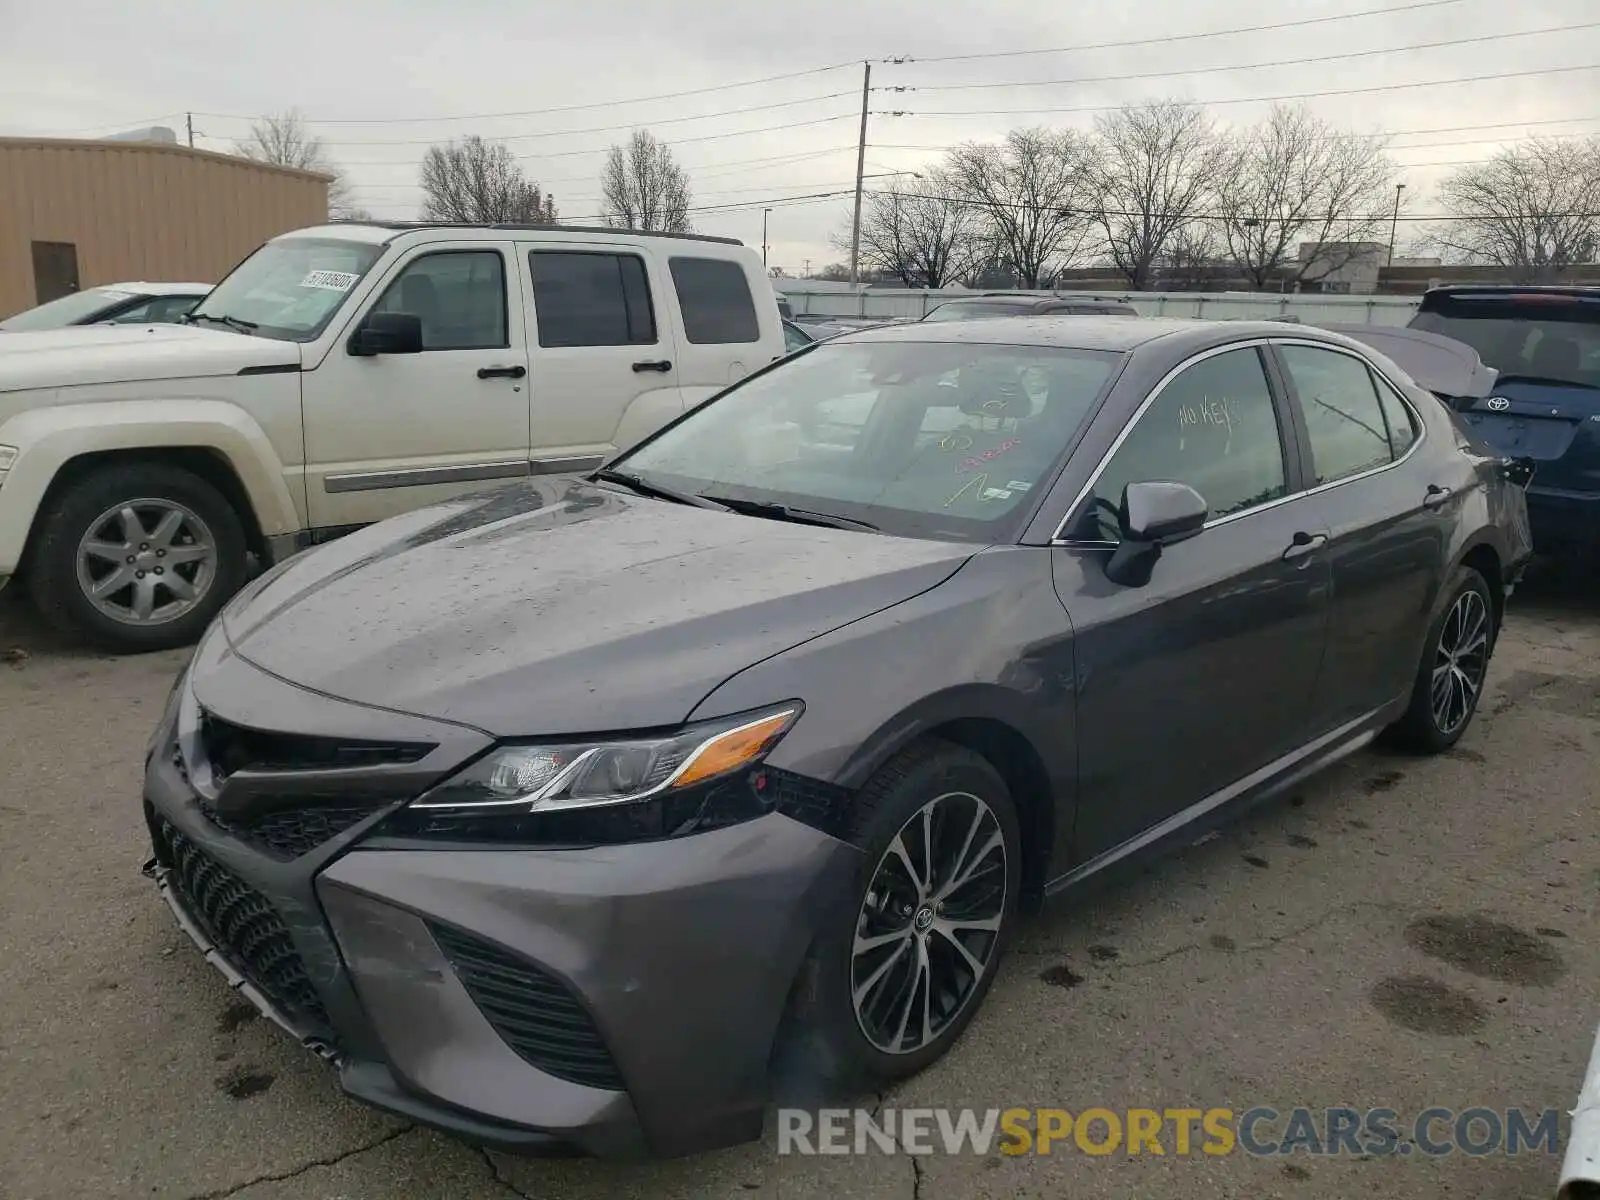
(532,1011)
(241,922)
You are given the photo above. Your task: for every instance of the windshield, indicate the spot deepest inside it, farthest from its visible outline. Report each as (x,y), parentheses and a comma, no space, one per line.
(69,310)
(290,288)
(966,310)
(1556,339)
(921,439)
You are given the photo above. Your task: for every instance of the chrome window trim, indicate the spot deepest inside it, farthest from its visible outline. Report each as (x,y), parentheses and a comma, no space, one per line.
(1421,426)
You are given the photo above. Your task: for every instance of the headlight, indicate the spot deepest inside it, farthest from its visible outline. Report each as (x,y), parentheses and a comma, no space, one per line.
(603,790)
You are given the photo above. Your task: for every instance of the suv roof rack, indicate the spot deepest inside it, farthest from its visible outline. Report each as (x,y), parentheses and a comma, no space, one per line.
(411,226)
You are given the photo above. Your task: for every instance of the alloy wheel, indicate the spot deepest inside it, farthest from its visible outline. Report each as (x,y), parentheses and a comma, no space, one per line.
(930,923)
(146,562)
(1460,662)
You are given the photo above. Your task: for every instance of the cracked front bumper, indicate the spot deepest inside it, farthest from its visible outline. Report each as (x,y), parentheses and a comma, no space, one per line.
(621,1000)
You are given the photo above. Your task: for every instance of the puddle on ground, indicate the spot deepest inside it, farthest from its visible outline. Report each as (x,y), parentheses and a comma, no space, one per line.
(1426,1005)
(1487,948)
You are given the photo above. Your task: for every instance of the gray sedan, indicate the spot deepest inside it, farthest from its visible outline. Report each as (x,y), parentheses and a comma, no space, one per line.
(553,817)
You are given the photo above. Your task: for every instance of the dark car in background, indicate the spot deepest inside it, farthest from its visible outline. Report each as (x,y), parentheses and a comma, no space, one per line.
(115,303)
(1026,304)
(551,816)
(1545,344)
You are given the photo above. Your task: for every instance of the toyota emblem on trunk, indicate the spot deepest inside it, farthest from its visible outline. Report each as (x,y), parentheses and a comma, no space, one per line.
(1499,404)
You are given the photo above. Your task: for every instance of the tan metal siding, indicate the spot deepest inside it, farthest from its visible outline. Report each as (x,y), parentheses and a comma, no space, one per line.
(141,212)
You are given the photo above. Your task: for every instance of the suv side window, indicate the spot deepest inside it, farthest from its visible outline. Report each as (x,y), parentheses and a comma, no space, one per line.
(591,299)
(715,298)
(1212,427)
(1346,424)
(458,295)
(1402,424)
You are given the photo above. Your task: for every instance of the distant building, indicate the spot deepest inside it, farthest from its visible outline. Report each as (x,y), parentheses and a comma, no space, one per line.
(76,213)
(159,134)
(1342,268)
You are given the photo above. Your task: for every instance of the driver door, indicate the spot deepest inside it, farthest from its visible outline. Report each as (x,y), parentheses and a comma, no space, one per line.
(1204,675)
(388,433)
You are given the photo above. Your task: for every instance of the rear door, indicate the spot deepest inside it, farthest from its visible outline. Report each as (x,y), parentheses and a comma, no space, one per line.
(726,334)
(604,368)
(1389,513)
(1546,403)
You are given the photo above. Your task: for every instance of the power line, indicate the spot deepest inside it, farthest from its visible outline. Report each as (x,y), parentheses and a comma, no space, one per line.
(1180,37)
(1387,87)
(1256,66)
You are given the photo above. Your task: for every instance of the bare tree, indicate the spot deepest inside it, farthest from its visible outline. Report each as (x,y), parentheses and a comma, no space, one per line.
(1532,210)
(835,273)
(1032,191)
(1156,168)
(643,187)
(922,233)
(1301,200)
(1195,259)
(475,182)
(284,140)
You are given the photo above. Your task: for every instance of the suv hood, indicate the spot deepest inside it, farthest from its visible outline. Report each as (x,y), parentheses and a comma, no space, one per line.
(562,607)
(87,354)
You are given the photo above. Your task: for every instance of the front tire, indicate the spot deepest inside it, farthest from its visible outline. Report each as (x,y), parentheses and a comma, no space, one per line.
(906,964)
(1455,664)
(136,557)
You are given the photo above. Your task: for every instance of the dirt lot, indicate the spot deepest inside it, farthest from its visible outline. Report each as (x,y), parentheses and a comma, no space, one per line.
(1402,933)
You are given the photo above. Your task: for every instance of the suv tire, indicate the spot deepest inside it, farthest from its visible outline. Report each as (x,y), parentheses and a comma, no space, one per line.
(136,557)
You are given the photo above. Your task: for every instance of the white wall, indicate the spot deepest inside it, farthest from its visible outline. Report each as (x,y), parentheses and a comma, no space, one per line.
(837,301)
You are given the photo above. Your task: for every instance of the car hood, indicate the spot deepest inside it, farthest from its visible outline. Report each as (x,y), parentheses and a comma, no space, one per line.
(88,354)
(560,607)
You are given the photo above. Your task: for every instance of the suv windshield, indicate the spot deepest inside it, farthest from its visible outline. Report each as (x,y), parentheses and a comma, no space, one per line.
(68,310)
(289,289)
(1545,337)
(920,439)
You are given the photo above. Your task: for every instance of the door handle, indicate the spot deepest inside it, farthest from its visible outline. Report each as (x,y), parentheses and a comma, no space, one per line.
(661,365)
(1437,496)
(1303,544)
(516,372)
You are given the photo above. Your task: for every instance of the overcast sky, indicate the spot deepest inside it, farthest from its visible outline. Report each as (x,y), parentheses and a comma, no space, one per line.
(380,81)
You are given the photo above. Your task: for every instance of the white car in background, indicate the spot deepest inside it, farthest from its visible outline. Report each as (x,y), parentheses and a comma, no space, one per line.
(111,304)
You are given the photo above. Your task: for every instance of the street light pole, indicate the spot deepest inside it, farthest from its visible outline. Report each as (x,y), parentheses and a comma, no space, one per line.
(861,166)
(764,213)
(1394,222)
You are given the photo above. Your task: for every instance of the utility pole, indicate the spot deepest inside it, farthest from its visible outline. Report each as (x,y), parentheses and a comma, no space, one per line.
(189,120)
(1394,222)
(764,213)
(861,166)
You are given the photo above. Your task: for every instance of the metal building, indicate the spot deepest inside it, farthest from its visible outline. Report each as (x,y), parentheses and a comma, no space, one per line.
(76,213)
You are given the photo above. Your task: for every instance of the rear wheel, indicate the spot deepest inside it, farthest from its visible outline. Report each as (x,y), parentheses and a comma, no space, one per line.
(136,557)
(1455,663)
(908,962)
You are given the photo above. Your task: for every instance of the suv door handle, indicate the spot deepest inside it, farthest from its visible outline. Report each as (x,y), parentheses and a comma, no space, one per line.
(661,365)
(516,372)
(1303,544)
(1437,496)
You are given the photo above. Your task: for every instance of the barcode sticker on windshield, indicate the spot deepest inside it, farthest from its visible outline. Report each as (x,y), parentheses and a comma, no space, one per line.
(333,281)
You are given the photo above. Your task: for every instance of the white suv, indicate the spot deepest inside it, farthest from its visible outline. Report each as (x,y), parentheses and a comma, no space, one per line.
(338,376)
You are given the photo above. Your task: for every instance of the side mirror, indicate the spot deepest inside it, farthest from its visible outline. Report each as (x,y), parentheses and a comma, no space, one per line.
(387,333)
(1153,515)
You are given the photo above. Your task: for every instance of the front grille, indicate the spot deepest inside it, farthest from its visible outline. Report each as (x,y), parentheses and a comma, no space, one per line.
(531,1010)
(241,922)
(229,748)
(287,833)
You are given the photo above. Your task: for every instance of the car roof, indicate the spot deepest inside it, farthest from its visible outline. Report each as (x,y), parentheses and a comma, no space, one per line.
(1453,290)
(1091,332)
(384,232)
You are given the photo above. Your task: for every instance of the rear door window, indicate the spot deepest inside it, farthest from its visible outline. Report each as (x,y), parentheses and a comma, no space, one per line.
(1344,419)
(591,299)
(714,295)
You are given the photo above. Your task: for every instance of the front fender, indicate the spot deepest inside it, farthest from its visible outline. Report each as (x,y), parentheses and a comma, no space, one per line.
(50,437)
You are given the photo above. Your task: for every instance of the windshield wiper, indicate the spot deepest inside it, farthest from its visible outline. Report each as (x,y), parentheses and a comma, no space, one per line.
(238,323)
(635,483)
(786,512)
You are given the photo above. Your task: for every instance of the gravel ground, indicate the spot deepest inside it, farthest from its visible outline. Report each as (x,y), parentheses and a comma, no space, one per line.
(1401,933)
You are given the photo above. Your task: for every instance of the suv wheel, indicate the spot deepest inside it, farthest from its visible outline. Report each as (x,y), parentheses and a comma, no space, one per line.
(909,959)
(1455,663)
(136,557)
